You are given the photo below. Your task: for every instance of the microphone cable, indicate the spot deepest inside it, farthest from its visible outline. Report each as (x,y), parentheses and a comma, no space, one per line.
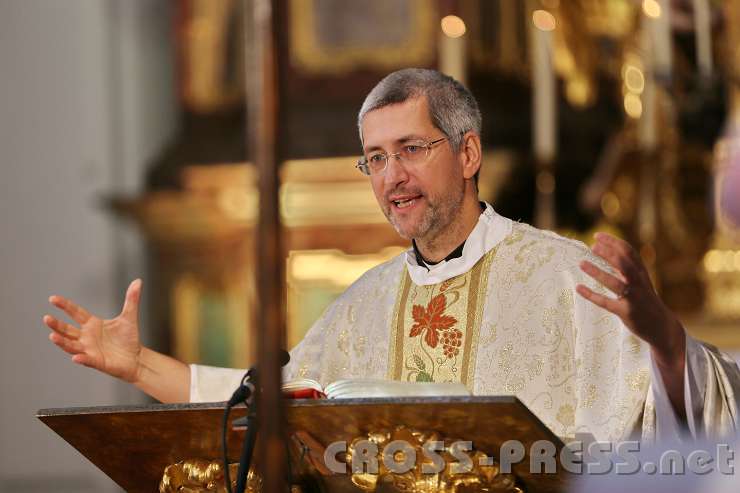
(243,393)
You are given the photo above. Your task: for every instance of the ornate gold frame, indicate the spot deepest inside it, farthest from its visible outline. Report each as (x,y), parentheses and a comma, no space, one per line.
(309,54)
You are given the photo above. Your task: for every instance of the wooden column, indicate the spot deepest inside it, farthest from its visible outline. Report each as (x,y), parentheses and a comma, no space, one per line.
(263,98)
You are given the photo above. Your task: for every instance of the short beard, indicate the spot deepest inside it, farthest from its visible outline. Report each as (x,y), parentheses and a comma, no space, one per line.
(439,215)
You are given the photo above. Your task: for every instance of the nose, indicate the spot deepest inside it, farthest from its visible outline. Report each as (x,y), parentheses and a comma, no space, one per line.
(395,171)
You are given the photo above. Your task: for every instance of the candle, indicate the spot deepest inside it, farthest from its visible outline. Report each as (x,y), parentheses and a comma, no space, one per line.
(646,128)
(544,115)
(660,25)
(703,37)
(452,52)
(543,87)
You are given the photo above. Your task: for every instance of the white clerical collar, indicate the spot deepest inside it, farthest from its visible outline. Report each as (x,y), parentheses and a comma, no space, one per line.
(489,231)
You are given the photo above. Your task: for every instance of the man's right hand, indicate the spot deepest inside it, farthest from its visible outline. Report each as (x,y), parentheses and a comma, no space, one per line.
(111,346)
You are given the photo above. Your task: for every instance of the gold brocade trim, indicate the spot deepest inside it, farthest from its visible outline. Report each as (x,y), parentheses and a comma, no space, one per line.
(395,358)
(476,303)
(469,288)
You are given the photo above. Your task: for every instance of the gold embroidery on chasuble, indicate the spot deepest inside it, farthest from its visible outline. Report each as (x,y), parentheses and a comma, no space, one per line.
(435,328)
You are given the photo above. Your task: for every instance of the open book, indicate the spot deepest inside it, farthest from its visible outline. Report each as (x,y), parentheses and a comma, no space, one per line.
(365,387)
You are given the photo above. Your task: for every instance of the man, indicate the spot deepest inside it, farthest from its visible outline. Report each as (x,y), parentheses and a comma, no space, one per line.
(580,337)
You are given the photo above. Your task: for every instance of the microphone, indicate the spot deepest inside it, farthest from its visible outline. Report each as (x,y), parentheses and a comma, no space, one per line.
(245,390)
(245,393)
(284,357)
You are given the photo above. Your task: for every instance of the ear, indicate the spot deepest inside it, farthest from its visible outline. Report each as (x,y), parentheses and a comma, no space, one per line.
(470,154)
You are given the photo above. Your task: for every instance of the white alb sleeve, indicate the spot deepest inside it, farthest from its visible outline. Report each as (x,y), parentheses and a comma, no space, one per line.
(666,421)
(212,384)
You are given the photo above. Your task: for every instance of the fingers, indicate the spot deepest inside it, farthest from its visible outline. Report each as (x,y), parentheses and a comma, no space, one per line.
(62,328)
(604,278)
(131,304)
(67,345)
(612,241)
(619,245)
(83,359)
(71,346)
(617,258)
(75,312)
(599,299)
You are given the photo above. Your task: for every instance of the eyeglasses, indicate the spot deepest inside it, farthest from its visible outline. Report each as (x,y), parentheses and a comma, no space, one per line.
(411,152)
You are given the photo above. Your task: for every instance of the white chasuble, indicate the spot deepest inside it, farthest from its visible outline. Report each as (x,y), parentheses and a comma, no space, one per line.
(505,319)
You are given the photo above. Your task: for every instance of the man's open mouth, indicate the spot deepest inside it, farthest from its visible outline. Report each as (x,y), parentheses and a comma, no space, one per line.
(404,203)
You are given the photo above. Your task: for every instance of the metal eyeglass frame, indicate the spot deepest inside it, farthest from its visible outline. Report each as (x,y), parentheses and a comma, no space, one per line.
(364,166)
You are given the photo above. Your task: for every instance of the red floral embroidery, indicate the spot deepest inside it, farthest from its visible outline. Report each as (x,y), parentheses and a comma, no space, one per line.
(431,320)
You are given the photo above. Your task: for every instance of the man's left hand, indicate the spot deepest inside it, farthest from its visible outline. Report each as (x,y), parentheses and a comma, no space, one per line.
(637,303)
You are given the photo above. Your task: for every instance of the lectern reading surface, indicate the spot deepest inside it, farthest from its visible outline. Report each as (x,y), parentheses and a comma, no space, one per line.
(134,444)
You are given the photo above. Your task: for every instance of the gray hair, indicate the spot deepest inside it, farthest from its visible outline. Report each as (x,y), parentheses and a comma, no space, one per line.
(452,107)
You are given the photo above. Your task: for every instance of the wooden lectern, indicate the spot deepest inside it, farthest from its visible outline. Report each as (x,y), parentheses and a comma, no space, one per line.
(135,444)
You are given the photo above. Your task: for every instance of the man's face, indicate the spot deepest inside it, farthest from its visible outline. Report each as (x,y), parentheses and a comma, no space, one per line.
(420,199)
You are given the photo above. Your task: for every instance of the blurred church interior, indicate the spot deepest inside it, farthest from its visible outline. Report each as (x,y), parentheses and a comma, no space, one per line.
(124,149)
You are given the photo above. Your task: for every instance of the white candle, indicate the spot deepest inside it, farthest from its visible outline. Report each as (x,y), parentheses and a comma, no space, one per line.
(544,115)
(543,88)
(703,37)
(661,28)
(452,50)
(646,128)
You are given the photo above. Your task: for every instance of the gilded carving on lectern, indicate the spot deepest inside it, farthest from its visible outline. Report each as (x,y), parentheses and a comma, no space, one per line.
(201,475)
(481,473)
(453,469)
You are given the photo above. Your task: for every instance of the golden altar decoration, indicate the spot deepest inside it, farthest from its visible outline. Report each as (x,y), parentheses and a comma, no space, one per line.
(326,36)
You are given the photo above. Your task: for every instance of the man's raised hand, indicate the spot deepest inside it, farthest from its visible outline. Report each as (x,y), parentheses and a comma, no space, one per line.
(111,346)
(637,303)
(641,310)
